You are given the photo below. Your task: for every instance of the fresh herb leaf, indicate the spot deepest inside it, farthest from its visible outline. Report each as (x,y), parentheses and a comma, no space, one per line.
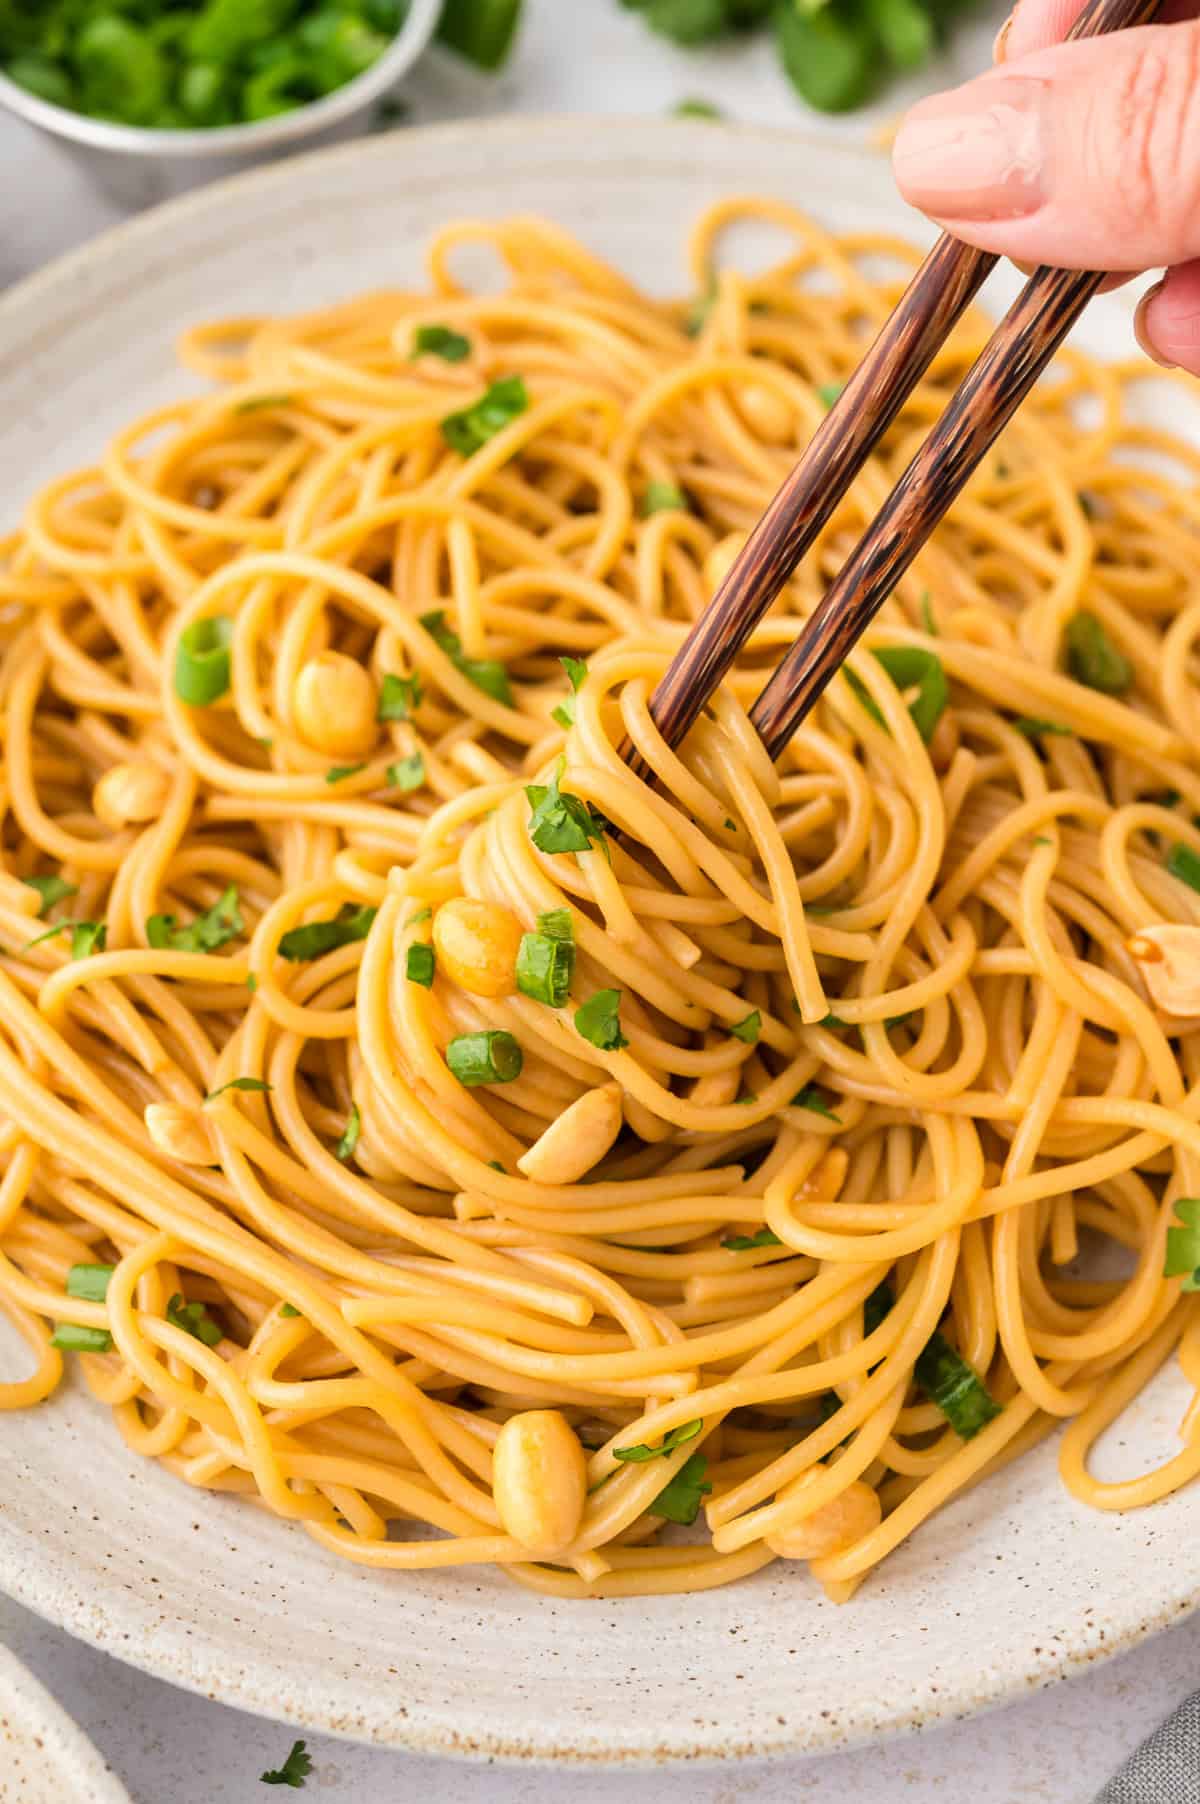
(1093,659)
(210,930)
(419,965)
(487,674)
(194,1319)
(832,1020)
(1033,728)
(745,1243)
(439,341)
(399,697)
(1183,863)
(599,1021)
(679,1500)
(407,773)
(289,1310)
(828,393)
(485,1058)
(927,619)
(1183,1243)
(675,1437)
(468,430)
(89,1282)
(318,937)
(877,1307)
(88,937)
(259,403)
(337,772)
(662,498)
(562,823)
(344,1150)
(293,1772)
(238,1083)
(700,308)
(748,1028)
(51,888)
(909,664)
(955,1386)
(576,669)
(811,1098)
(422,914)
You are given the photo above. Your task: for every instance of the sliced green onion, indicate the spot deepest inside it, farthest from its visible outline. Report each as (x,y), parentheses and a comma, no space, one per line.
(88,937)
(202,665)
(485,1058)
(1092,658)
(345,1148)
(69,1337)
(419,965)
(599,1021)
(440,341)
(545,966)
(468,430)
(89,1282)
(1183,1244)
(556,924)
(662,498)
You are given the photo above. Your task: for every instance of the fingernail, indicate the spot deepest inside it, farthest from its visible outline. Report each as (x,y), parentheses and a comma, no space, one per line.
(1000,47)
(980,152)
(1141,329)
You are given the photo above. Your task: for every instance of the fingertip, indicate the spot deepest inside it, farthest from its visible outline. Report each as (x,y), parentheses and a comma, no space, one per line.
(1167,322)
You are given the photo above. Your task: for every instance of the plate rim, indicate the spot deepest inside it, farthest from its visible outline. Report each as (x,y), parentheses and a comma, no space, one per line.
(420,1731)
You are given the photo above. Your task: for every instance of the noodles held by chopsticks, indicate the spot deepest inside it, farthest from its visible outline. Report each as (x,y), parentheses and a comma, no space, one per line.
(383,1063)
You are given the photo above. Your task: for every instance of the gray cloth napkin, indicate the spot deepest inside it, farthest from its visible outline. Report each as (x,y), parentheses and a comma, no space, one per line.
(1166,1768)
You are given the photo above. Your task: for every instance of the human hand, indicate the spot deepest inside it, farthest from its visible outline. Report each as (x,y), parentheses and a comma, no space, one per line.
(1083,155)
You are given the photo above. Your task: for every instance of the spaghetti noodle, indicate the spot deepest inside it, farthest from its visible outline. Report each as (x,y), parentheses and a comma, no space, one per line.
(387,1074)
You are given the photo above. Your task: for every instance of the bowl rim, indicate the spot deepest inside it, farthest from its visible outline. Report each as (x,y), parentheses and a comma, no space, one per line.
(420,22)
(65,1744)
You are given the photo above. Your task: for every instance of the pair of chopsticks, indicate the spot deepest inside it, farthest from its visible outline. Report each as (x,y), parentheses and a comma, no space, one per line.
(982,406)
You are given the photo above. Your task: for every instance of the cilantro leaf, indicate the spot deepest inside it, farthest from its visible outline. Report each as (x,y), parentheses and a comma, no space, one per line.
(562,823)
(439,341)
(399,697)
(749,1028)
(599,1021)
(487,674)
(955,1386)
(679,1499)
(745,1243)
(51,888)
(811,1098)
(239,1083)
(222,922)
(344,1150)
(675,1437)
(1183,1243)
(468,430)
(316,938)
(293,1772)
(194,1319)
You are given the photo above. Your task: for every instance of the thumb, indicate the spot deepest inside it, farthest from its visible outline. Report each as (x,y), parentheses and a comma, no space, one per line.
(1083,155)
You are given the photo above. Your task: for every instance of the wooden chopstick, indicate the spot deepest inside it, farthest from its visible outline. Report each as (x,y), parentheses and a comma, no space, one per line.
(942,288)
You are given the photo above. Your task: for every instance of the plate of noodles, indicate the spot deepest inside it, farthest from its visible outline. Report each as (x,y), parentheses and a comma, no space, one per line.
(689,1268)
(44,1757)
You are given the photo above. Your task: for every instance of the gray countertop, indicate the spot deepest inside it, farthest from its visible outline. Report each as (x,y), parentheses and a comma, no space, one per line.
(172,1748)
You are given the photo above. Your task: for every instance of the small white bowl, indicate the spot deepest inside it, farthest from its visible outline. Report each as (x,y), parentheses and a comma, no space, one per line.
(139,166)
(44,1757)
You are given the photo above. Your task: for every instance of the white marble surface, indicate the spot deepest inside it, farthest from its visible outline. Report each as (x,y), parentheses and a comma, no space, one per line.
(173,1748)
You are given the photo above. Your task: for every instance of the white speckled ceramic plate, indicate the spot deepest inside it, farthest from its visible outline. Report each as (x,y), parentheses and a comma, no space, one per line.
(44,1758)
(1012,1587)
